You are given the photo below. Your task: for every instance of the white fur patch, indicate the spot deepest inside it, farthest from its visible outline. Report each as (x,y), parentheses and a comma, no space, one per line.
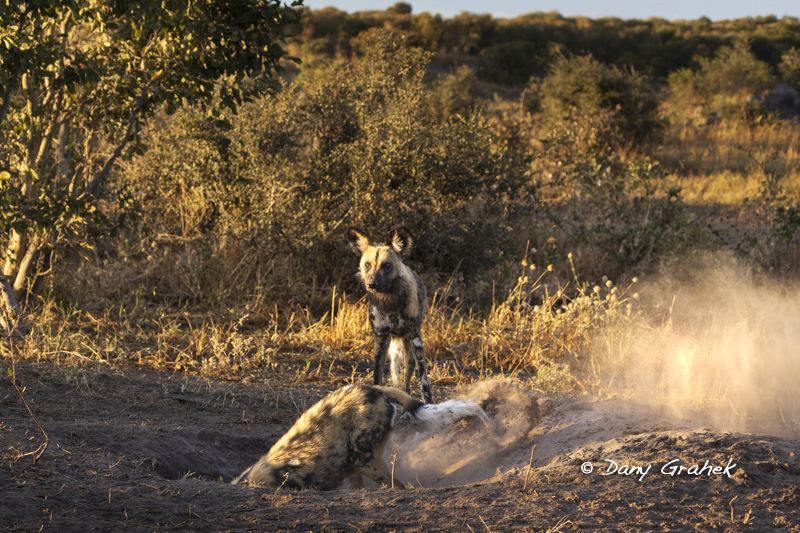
(399,245)
(380,320)
(396,359)
(294,462)
(445,413)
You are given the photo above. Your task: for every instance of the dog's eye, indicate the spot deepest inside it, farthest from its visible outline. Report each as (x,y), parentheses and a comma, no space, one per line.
(386,266)
(367,265)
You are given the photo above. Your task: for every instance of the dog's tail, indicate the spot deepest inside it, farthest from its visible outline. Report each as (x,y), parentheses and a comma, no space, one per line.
(241,476)
(437,414)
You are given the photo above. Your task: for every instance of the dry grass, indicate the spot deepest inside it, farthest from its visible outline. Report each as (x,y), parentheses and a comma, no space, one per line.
(722,342)
(715,163)
(552,329)
(539,332)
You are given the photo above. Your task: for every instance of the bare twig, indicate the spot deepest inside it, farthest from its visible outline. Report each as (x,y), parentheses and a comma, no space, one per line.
(394,460)
(730,503)
(528,473)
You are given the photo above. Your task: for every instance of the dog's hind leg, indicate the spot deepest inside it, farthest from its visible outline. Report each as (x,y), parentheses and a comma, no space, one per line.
(422,369)
(408,354)
(381,348)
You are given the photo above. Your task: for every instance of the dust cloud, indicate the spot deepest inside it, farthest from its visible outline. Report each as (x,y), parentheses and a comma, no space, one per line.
(717,349)
(470,450)
(721,347)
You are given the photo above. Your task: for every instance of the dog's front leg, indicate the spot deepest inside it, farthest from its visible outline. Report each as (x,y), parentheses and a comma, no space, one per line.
(381,349)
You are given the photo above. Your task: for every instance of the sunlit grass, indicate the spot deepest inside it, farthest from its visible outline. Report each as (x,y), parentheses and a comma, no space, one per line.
(688,345)
(716,163)
(538,332)
(554,329)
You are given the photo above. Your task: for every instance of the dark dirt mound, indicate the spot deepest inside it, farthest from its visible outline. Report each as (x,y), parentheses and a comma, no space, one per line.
(148,452)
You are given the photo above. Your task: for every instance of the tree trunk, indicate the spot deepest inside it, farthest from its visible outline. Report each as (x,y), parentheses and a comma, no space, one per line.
(48,258)
(25,268)
(11,314)
(16,246)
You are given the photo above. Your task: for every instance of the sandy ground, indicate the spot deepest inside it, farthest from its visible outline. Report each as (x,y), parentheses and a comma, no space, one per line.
(145,451)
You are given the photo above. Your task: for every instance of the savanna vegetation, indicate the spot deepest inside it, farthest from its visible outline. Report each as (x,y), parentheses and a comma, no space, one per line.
(176,183)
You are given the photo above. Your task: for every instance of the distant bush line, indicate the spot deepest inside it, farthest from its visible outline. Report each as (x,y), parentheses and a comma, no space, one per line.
(510,51)
(389,119)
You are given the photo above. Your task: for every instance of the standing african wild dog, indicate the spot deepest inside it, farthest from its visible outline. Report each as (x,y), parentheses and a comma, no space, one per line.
(397,306)
(343,436)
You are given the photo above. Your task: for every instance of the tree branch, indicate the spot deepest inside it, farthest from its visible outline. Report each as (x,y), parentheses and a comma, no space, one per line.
(109,164)
(5,105)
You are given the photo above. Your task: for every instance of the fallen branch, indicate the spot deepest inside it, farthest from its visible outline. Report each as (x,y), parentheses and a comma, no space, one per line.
(37,454)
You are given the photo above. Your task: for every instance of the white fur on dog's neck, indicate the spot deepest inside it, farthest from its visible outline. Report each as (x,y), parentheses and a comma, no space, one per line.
(442,414)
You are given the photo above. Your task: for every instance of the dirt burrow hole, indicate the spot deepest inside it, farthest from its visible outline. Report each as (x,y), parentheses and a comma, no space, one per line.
(465,452)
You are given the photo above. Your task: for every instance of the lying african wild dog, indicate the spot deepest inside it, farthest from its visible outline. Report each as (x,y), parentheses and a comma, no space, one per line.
(343,435)
(397,306)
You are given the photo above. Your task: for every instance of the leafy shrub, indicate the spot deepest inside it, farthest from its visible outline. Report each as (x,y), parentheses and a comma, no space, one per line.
(790,67)
(581,85)
(725,84)
(774,240)
(184,177)
(346,143)
(400,8)
(734,69)
(453,93)
(625,214)
(513,62)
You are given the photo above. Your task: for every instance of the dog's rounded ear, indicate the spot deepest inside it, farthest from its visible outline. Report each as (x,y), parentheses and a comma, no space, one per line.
(400,240)
(357,240)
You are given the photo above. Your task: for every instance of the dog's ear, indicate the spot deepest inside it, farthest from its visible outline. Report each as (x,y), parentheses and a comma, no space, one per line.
(357,240)
(400,240)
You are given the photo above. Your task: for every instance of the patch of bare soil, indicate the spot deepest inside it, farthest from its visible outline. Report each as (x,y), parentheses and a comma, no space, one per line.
(143,451)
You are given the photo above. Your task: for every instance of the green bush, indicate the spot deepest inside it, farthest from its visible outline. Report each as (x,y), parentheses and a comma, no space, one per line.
(790,67)
(725,84)
(734,69)
(400,8)
(631,213)
(622,215)
(513,62)
(581,85)
(454,93)
(184,177)
(773,241)
(347,143)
